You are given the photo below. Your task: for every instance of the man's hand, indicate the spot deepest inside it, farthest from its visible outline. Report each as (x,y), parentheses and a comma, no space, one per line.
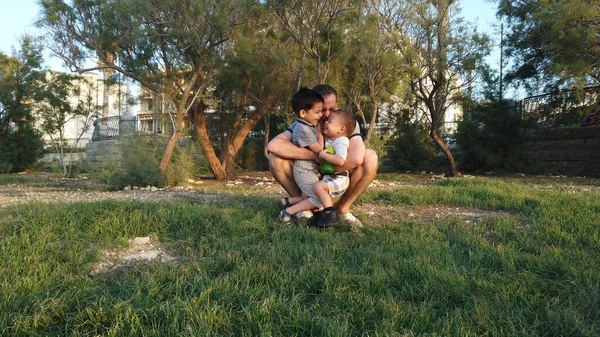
(282,147)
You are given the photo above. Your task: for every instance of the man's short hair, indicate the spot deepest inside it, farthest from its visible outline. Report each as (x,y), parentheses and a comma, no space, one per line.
(348,120)
(304,99)
(325,90)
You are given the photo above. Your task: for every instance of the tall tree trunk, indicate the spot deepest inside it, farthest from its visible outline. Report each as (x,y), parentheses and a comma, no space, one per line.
(375,109)
(452,171)
(267,128)
(234,146)
(105,94)
(207,149)
(168,153)
(438,115)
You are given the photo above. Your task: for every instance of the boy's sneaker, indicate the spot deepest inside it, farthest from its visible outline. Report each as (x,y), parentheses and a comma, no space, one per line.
(317,217)
(330,218)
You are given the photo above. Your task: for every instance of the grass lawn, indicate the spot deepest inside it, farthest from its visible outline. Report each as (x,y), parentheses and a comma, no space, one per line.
(528,267)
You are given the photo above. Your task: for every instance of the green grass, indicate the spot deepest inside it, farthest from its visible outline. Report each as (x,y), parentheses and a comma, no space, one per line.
(532,272)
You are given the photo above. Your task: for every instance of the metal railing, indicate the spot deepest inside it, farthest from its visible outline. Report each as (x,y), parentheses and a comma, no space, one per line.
(564,108)
(106,128)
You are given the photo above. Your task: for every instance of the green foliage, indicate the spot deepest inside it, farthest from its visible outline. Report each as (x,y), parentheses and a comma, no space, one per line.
(181,167)
(411,148)
(379,143)
(20,77)
(552,40)
(491,137)
(137,166)
(251,156)
(55,107)
(20,149)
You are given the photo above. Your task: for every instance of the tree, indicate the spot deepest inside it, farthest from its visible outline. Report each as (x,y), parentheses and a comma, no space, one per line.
(255,83)
(553,41)
(172,48)
(439,52)
(373,70)
(20,78)
(316,25)
(56,108)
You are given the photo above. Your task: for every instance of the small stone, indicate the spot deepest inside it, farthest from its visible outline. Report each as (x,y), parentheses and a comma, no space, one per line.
(127,188)
(135,188)
(260,183)
(141,240)
(154,189)
(229,185)
(411,215)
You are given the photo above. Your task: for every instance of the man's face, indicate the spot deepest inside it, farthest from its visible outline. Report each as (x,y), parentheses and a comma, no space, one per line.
(329,106)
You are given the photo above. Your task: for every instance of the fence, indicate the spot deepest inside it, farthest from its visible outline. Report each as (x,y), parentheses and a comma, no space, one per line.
(107,128)
(563,108)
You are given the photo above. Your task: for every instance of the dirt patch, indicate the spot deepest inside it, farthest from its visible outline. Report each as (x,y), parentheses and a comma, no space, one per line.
(141,249)
(376,215)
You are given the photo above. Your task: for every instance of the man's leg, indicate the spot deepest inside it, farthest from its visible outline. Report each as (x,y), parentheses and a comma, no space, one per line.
(281,169)
(360,179)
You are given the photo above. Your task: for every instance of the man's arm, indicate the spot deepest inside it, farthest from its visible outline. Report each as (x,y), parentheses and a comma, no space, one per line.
(332,158)
(282,147)
(356,155)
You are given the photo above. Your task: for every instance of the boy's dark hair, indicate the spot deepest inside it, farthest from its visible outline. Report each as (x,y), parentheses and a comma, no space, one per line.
(325,90)
(304,99)
(348,120)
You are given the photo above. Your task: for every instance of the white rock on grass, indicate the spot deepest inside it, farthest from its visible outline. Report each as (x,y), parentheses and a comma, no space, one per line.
(141,240)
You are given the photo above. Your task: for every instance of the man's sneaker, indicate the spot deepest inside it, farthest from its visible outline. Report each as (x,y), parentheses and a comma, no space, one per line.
(351,220)
(330,218)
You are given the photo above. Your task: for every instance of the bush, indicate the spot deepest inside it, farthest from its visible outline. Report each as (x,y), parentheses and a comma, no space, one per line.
(491,137)
(411,148)
(182,165)
(378,143)
(20,149)
(251,155)
(138,165)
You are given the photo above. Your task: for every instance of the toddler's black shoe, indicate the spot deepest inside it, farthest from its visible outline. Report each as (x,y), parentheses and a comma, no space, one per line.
(328,219)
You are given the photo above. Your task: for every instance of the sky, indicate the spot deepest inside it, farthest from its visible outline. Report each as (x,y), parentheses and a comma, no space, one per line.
(18,16)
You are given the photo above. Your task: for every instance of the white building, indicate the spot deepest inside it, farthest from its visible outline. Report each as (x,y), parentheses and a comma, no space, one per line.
(91,92)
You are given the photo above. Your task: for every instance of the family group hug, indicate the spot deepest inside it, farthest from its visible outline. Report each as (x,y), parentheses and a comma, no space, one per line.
(321,161)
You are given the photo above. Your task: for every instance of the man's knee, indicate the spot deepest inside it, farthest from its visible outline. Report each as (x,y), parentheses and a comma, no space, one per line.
(278,164)
(371,162)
